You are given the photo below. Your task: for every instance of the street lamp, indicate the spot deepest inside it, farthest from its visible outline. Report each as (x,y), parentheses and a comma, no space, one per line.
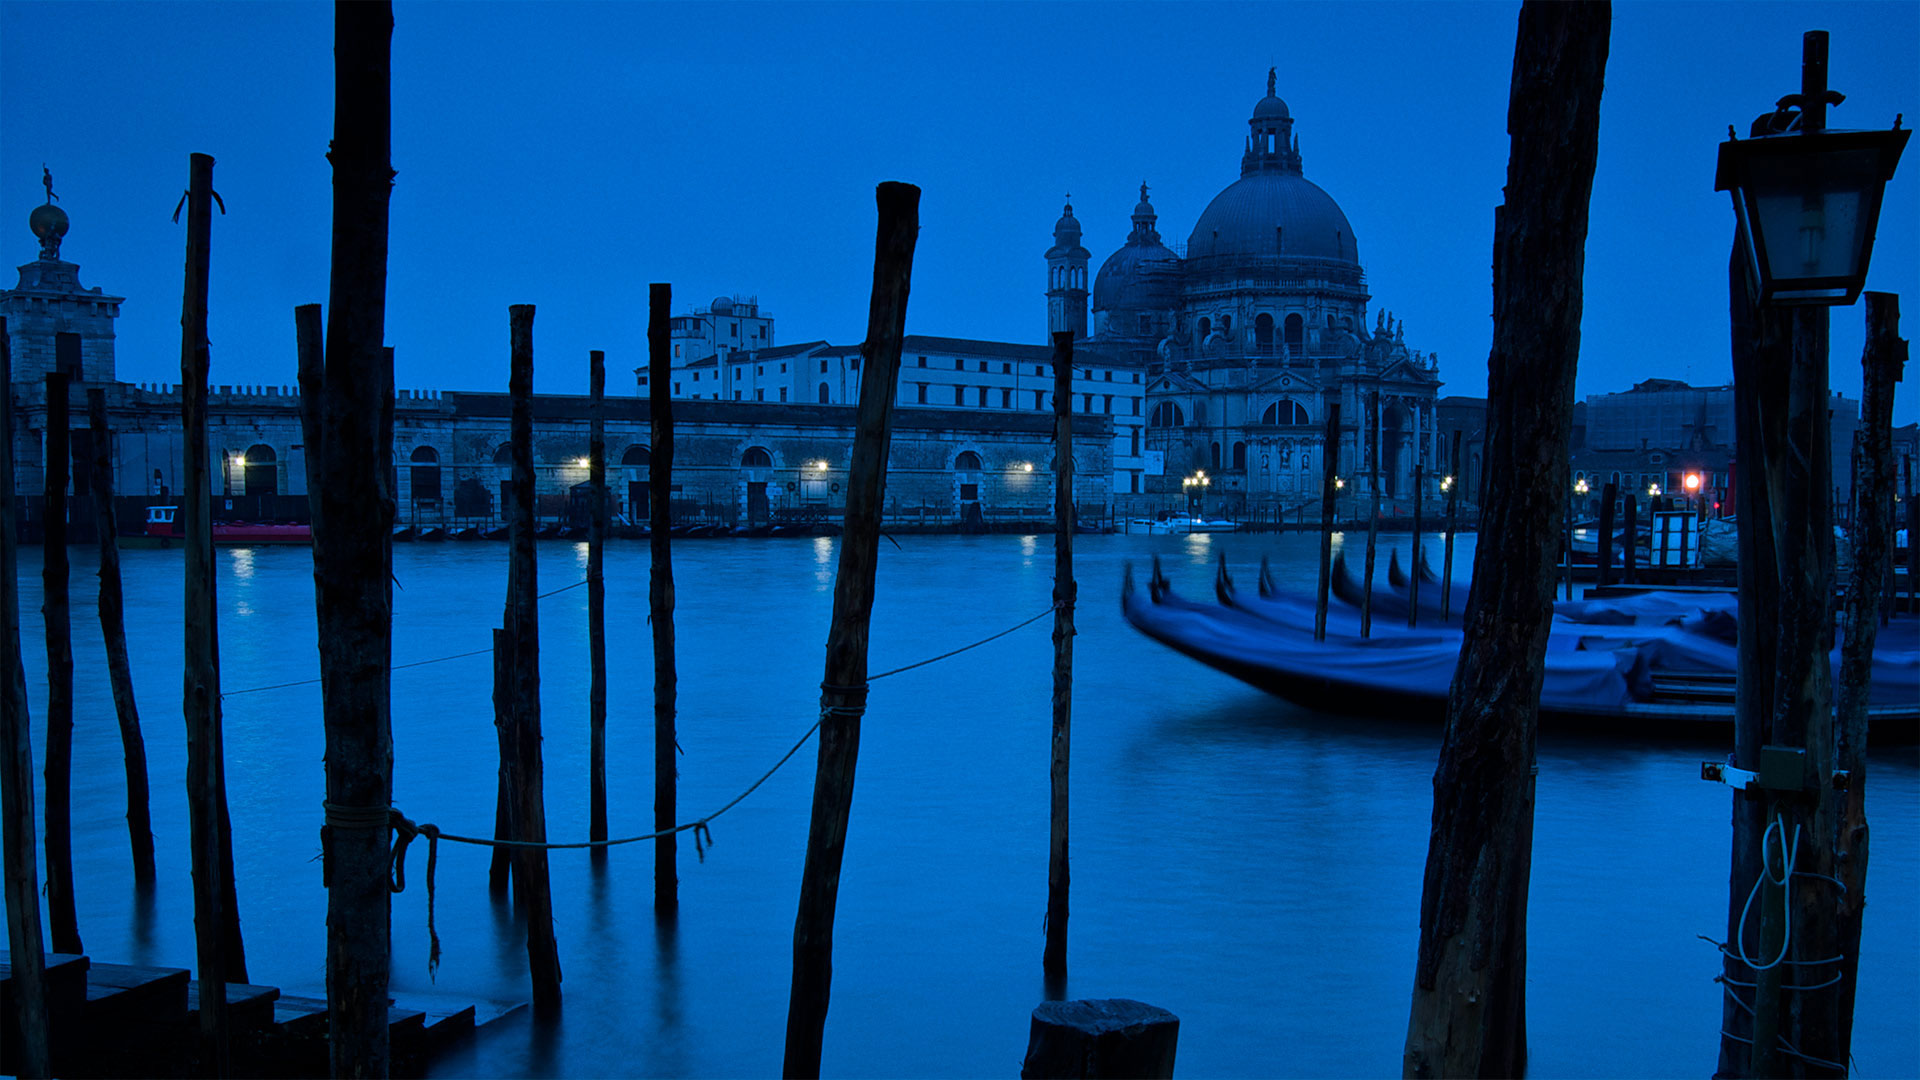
(1808,199)
(1580,486)
(1446,483)
(1653,491)
(1196,488)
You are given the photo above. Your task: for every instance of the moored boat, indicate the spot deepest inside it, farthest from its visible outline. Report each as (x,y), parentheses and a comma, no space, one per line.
(163,525)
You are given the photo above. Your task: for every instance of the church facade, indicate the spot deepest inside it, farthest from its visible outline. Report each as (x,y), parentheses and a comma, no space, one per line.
(1250,333)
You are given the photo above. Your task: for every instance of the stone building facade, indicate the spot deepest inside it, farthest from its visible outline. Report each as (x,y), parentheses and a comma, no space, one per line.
(739,460)
(1250,333)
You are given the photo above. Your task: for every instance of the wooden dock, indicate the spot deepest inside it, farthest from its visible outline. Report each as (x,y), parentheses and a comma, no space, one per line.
(122,1020)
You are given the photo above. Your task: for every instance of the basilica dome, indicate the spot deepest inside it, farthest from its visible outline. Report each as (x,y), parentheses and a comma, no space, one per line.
(1144,275)
(1268,214)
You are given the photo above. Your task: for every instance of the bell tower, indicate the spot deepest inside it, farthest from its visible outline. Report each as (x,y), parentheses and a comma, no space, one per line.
(1067,278)
(49,301)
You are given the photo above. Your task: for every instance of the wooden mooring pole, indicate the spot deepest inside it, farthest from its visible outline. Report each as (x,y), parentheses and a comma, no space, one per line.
(1630,557)
(22,870)
(526,802)
(1413,574)
(1468,1015)
(1604,574)
(1329,489)
(843,691)
(660,601)
(216,922)
(113,633)
(1372,435)
(62,922)
(1053,961)
(1446,559)
(1841,823)
(597,603)
(347,406)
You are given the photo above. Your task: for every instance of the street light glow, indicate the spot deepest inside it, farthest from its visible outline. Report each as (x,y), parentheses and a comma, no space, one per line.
(1692,482)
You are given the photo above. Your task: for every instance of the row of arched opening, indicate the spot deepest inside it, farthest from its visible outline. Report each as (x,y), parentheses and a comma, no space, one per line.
(1286,411)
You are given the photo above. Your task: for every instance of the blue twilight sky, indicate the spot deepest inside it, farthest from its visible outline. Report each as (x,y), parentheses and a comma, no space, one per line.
(568,154)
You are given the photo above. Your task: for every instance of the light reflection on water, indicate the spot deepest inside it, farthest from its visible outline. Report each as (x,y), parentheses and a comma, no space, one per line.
(1252,867)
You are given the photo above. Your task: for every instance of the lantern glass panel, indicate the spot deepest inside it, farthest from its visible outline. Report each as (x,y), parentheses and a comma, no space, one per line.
(1812,215)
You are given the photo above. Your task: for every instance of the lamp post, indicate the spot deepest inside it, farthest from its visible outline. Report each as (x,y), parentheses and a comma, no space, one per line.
(1196,488)
(1691,482)
(1806,204)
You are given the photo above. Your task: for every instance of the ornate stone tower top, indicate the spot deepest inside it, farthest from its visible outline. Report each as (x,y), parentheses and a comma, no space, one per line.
(49,300)
(1067,277)
(1271,146)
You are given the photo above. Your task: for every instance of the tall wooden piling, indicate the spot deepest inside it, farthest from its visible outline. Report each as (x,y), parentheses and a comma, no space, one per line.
(597,603)
(1604,575)
(666,680)
(1372,435)
(1053,961)
(526,804)
(216,918)
(1446,559)
(843,691)
(22,870)
(348,410)
(1566,548)
(1329,489)
(1841,823)
(62,922)
(113,633)
(1469,998)
(1629,540)
(1413,577)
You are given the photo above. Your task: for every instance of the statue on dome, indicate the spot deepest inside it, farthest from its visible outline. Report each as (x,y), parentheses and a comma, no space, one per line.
(46,181)
(1271,74)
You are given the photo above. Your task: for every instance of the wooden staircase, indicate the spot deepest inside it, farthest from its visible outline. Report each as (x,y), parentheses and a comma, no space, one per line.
(121,1020)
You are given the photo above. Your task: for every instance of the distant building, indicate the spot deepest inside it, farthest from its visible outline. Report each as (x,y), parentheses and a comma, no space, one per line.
(1250,333)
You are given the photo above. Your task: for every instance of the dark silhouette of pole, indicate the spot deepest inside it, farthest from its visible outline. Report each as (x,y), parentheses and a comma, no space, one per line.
(597,604)
(1053,960)
(1603,575)
(22,870)
(843,691)
(1329,486)
(1454,480)
(63,923)
(1468,1016)
(660,600)
(1841,824)
(1372,435)
(526,805)
(351,499)
(1413,578)
(215,920)
(113,633)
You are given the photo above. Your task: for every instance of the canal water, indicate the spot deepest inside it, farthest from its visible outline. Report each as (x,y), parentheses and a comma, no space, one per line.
(1252,867)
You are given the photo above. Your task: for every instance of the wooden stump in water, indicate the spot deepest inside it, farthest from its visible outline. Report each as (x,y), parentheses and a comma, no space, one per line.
(1089,1040)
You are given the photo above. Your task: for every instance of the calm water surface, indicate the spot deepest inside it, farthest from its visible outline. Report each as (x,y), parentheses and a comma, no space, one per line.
(1252,867)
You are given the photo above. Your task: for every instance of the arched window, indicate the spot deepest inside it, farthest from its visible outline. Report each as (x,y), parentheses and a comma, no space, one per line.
(824,393)
(1203,328)
(1263,328)
(756,457)
(263,475)
(1167,414)
(1240,455)
(1295,330)
(503,455)
(637,454)
(1216,457)
(967,461)
(1285,411)
(424,474)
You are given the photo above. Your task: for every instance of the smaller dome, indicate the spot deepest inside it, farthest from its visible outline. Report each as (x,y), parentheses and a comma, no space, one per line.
(1271,108)
(721,305)
(48,222)
(1068,224)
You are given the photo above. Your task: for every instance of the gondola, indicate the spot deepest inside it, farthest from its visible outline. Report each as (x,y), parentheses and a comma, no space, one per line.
(1642,667)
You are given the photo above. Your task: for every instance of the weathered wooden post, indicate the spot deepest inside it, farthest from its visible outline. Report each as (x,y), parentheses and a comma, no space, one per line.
(1115,1039)
(1372,435)
(1329,486)
(1446,564)
(526,805)
(62,922)
(1566,548)
(843,692)
(216,922)
(660,601)
(1604,575)
(1841,824)
(1053,961)
(113,632)
(500,864)
(1913,542)
(16,776)
(1413,579)
(347,408)
(597,604)
(1629,561)
(1468,1012)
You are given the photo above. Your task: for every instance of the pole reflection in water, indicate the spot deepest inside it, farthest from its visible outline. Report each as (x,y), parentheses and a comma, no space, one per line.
(1252,868)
